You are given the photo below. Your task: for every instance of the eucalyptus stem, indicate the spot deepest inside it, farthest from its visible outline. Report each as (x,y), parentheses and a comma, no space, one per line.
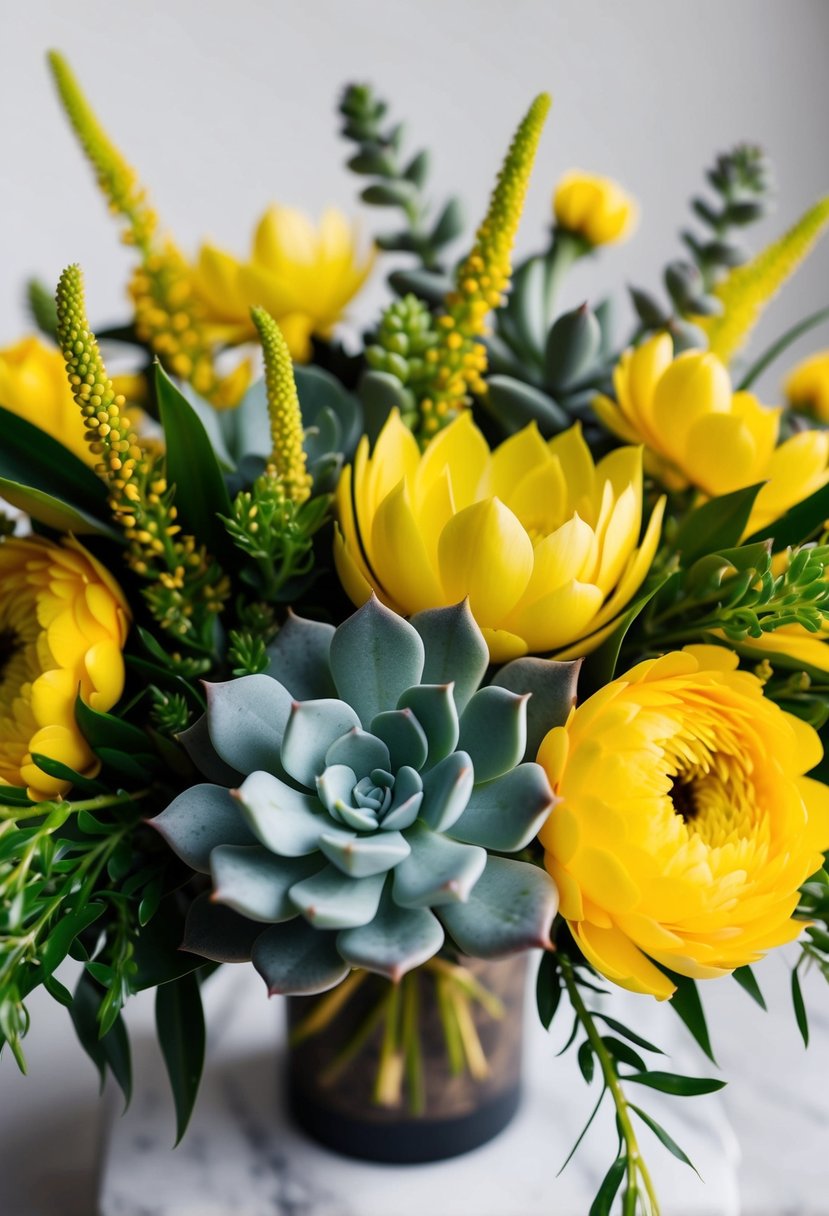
(636,1167)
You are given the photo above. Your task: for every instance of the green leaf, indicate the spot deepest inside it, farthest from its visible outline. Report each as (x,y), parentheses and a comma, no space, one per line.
(586,1061)
(200,492)
(110,1052)
(599,667)
(53,512)
(661,1135)
(64,933)
(106,730)
(548,988)
(799,523)
(624,1053)
(31,457)
(672,1083)
(179,1019)
(62,772)
(717,524)
(800,1008)
(747,980)
(602,1204)
(620,1028)
(687,1004)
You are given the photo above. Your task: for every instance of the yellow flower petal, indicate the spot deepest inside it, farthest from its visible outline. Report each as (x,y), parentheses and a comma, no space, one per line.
(485,554)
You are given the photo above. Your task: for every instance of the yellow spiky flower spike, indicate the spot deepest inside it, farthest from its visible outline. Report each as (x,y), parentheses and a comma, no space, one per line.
(746,290)
(188,588)
(288,461)
(481,282)
(168,314)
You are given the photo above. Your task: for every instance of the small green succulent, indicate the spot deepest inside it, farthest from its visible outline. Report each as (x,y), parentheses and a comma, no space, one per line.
(376,787)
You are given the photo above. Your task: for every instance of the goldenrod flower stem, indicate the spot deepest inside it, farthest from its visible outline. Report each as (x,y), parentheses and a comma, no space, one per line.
(636,1168)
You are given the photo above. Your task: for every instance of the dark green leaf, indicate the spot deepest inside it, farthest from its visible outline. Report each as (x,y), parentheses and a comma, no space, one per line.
(602,1204)
(800,1008)
(64,933)
(113,1050)
(52,511)
(106,730)
(587,1061)
(32,457)
(717,524)
(672,1083)
(687,1004)
(180,1023)
(548,988)
(200,492)
(670,1144)
(620,1028)
(624,1053)
(62,772)
(599,667)
(798,524)
(746,978)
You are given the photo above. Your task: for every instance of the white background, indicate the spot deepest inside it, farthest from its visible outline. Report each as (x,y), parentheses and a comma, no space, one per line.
(224,107)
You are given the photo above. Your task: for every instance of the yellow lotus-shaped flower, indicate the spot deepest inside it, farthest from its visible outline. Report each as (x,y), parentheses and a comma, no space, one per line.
(304,276)
(63,624)
(595,208)
(685,825)
(543,542)
(699,432)
(33,384)
(807,386)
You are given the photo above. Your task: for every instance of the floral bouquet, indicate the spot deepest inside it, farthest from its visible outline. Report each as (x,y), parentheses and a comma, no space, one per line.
(487,634)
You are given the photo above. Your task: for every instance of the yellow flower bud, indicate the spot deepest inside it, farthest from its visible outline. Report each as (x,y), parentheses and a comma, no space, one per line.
(594,208)
(33,385)
(807,386)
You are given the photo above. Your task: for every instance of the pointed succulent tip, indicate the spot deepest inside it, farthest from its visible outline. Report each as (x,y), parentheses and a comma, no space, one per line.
(236,793)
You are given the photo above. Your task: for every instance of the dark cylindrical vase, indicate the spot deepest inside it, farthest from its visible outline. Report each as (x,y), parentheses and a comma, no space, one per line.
(457,1111)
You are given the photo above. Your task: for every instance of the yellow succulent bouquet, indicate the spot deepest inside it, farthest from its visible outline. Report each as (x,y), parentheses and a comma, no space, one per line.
(587,674)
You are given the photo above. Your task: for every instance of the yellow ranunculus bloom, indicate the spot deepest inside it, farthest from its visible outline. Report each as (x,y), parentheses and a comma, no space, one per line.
(699,432)
(807,386)
(685,825)
(543,542)
(33,384)
(63,625)
(595,208)
(302,275)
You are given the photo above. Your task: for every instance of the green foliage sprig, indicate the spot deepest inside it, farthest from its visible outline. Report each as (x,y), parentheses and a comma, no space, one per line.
(398,181)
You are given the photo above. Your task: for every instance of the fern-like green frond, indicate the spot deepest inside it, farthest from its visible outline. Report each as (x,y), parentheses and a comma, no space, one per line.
(746,290)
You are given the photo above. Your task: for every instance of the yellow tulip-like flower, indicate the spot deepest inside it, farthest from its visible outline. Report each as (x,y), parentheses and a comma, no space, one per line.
(302,275)
(63,625)
(685,826)
(33,385)
(594,208)
(699,432)
(543,542)
(807,386)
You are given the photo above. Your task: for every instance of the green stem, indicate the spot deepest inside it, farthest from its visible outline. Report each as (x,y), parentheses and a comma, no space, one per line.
(564,251)
(635,1162)
(777,348)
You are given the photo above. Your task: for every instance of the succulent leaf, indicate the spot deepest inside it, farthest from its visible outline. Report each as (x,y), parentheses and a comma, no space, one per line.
(494,731)
(511,908)
(196,742)
(434,707)
(375,657)
(297,958)
(507,813)
(198,820)
(446,791)
(255,883)
(218,933)
(298,658)
(246,720)
(407,801)
(396,941)
(456,652)
(516,404)
(333,900)
(360,750)
(403,736)
(552,686)
(312,728)
(283,819)
(437,871)
(362,856)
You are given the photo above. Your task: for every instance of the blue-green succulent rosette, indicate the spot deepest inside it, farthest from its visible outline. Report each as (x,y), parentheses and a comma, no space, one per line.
(366,793)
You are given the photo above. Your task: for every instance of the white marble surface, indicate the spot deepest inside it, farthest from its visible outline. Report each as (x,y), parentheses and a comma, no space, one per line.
(240,1157)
